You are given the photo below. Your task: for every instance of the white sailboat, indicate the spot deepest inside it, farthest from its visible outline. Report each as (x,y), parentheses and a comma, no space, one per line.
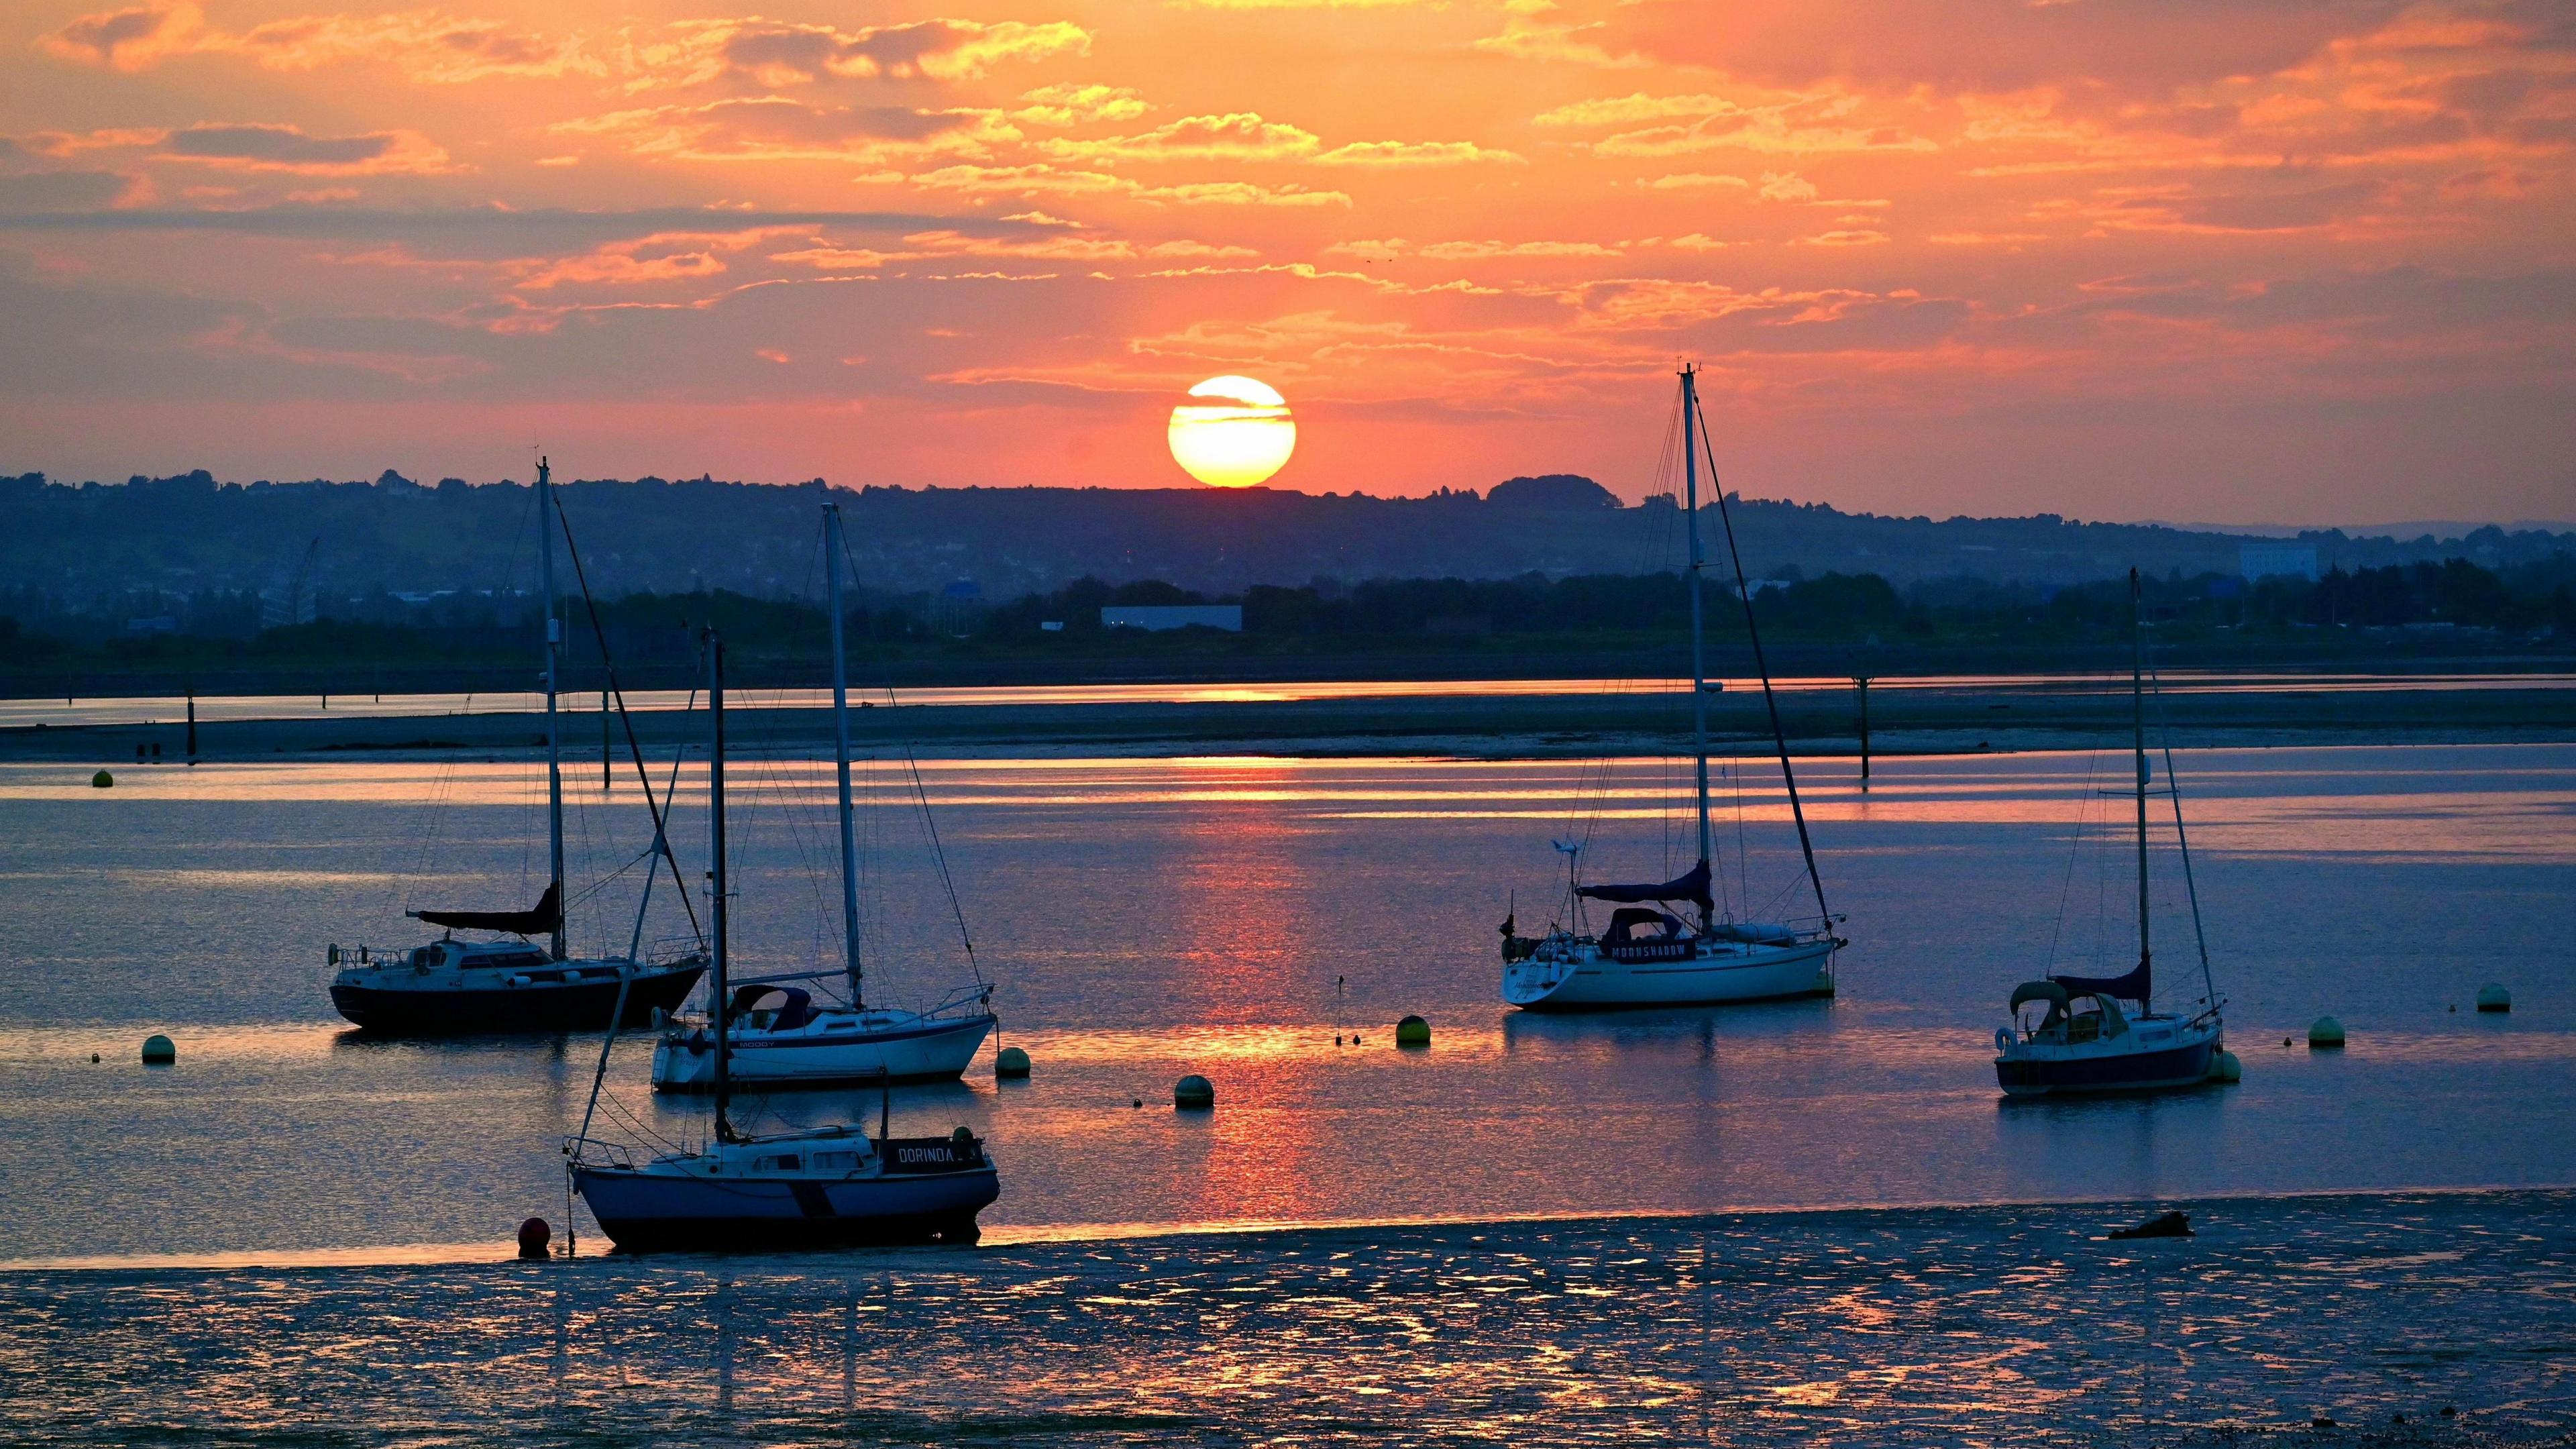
(1647,955)
(782,1036)
(452,987)
(820,1186)
(2082,1041)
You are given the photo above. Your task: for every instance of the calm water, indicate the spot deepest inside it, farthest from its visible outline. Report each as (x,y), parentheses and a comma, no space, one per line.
(1150,918)
(293,1235)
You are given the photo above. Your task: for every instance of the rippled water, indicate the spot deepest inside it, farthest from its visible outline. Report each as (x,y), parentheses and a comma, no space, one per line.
(1962,1326)
(1147,918)
(291,1235)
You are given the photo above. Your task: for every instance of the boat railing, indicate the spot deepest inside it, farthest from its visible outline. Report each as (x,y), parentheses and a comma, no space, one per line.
(670,950)
(612,1154)
(978,997)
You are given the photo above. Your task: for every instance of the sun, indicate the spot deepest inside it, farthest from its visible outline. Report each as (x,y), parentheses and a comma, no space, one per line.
(1238,436)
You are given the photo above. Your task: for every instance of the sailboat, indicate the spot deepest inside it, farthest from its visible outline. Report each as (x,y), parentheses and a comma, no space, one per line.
(1647,955)
(782,1036)
(2081,1040)
(823,1185)
(453,987)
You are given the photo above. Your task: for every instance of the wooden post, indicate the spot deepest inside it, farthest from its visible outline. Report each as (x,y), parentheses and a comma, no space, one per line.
(1861,683)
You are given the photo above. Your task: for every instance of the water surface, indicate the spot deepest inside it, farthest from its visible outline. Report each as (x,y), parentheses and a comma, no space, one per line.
(1146,918)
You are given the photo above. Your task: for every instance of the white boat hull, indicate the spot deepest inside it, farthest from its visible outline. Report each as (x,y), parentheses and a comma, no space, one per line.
(816,1054)
(1580,977)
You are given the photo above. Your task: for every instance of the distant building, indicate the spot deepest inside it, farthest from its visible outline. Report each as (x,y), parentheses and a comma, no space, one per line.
(2269,560)
(1228,617)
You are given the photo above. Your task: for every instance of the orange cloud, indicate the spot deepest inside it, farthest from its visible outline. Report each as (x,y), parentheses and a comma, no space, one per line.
(425,45)
(1236,136)
(778,53)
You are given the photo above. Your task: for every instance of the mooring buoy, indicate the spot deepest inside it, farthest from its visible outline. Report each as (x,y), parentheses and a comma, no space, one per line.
(1413,1031)
(159,1051)
(1194,1092)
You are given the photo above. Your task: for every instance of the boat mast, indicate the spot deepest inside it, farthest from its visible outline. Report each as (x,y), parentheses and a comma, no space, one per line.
(1699,663)
(841,753)
(2138,715)
(554,751)
(1761,666)
(716,912)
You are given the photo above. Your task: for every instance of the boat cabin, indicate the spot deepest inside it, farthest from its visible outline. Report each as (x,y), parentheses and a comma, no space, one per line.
(2071,1018)
(770,1008)
(1641,933)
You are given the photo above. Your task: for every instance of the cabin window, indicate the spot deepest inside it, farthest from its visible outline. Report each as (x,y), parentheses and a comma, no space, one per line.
(784,1163)
(830,1161)
(516,958)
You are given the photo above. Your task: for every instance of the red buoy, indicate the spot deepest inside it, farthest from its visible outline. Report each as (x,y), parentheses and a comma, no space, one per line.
(533,1237)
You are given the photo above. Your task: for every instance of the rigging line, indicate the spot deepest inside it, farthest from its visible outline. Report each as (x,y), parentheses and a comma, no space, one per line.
(1770,700)
(938,852)
(2173,788)
(2074,852)
(634,747)
(763,754)
(1743,869)
(939,857)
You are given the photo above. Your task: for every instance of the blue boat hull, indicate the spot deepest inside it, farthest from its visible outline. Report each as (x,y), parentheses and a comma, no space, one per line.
(2186,1065)
(644,1212)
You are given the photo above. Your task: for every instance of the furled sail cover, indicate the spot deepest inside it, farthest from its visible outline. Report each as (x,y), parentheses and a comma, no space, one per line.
(537,920)
(2133,987)
(1692,887)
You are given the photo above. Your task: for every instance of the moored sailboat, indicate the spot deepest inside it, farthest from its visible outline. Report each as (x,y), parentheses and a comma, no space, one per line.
(2083,1041)
(1647,955)
(782,1036)
(453,987)
(825,1185)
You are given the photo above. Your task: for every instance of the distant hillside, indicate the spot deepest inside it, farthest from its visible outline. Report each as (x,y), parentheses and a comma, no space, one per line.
(190,534)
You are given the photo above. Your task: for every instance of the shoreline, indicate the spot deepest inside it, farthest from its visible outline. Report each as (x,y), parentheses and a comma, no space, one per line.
(501,1252)
(2000,716)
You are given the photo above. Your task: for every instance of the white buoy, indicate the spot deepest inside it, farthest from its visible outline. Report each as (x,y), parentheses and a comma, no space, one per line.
(2325,1031)
(2493,997)
(159,1051)
(2224,1067)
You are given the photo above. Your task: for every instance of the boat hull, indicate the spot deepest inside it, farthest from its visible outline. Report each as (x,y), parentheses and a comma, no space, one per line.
(1595,982)
(936,1050)
(537,1008)
(645,1212)
(2071,1071)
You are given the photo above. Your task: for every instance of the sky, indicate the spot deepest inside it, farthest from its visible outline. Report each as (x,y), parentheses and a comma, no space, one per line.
(2263,261)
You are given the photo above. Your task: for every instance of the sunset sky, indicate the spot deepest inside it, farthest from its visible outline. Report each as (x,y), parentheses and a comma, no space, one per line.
(2281,261)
